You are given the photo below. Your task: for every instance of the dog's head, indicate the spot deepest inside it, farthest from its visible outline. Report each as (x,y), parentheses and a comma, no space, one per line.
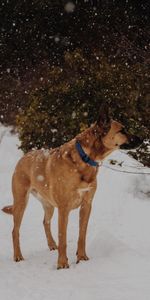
(114,135)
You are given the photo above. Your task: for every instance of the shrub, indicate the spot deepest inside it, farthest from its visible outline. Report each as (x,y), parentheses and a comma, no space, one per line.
(73,95)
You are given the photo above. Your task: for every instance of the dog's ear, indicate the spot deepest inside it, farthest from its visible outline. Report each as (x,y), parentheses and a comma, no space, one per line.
(104,120)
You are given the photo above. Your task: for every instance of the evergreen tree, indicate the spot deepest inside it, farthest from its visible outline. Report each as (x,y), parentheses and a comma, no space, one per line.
(73,95)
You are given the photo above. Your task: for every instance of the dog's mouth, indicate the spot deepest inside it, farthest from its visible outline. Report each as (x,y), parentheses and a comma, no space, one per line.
(133,143)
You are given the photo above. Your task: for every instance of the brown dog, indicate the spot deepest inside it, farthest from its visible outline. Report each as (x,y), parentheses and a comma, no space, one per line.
(64,178)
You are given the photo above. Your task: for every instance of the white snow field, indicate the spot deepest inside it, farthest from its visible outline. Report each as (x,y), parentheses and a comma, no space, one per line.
(118,241)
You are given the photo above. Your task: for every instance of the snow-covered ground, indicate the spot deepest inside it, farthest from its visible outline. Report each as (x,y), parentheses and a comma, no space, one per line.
(118,241)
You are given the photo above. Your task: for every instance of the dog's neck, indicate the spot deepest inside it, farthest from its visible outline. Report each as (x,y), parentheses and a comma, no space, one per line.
(92,143)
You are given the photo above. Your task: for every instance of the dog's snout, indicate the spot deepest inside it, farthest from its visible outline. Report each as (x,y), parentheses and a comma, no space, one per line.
(133,143)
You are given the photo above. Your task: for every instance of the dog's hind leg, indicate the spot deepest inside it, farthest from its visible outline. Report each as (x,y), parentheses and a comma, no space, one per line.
(49,210)
(20,188)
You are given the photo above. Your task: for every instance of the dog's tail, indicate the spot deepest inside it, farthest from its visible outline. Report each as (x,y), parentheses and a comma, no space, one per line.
(8,209)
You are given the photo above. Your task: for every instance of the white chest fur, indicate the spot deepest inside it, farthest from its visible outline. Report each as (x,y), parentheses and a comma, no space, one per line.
(82,191)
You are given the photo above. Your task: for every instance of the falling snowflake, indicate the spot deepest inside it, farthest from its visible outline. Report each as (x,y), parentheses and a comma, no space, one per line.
(40,178)
(69,7)
(73,115)
(85,114)
(57,39)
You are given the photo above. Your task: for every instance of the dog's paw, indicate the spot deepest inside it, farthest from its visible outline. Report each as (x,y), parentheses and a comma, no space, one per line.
(53,247)
(81,257)
(62,264)
(18,258)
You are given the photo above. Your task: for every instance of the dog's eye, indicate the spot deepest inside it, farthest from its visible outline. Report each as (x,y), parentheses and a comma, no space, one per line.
(122,131)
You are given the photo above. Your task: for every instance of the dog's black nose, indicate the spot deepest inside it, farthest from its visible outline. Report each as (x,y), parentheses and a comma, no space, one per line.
(134,142)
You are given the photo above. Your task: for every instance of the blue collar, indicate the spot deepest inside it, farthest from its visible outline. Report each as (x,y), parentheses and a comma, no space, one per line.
(85,157)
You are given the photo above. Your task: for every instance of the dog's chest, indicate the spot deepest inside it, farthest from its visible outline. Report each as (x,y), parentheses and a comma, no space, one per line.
(80,194)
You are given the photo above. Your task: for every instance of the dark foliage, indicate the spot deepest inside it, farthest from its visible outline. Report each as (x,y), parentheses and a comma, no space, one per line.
(41,30)
(36,34)
(72,98)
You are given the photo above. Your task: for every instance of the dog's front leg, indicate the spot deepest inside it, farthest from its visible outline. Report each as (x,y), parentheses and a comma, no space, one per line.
(62,237)
(83,223)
